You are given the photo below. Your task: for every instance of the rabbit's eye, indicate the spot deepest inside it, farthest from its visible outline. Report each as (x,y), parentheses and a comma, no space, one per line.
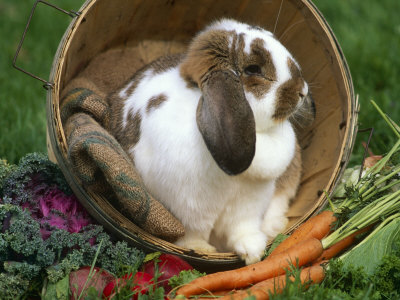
(252,70)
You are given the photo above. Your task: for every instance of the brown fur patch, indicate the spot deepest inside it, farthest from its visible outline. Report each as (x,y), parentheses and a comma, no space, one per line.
(134,83)
(288,93)
(289,181)
(127,136)
(260,56)
(131,133)
(116,104)
(158,66)
(236,53)
(208,52)
(165,63)
(155,102)
(259,85)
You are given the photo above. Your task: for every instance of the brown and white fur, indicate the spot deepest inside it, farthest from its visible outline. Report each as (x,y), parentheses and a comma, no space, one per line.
(210,135)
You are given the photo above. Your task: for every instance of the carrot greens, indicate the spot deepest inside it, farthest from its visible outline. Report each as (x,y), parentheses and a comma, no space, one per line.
(374,197)
(368,215)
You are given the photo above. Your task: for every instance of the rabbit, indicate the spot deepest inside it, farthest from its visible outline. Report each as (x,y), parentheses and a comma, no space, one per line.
(210,134)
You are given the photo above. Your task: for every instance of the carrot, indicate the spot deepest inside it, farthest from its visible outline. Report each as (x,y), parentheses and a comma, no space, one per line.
(301,254)
(262,290)
(317,227)
(335,249)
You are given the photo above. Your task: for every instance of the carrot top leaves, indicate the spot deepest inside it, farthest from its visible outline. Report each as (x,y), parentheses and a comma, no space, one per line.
(371,199)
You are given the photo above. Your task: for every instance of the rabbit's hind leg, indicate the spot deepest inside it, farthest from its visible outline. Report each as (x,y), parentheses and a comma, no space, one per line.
(195,240)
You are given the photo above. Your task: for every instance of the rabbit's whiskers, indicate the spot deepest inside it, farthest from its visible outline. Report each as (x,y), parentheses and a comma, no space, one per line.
(277,17)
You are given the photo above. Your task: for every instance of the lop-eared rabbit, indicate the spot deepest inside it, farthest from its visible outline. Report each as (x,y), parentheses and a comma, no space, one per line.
(210,133)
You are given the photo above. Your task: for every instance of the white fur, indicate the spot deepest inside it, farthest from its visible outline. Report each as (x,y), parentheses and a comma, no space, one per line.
(275,149)
(179,171)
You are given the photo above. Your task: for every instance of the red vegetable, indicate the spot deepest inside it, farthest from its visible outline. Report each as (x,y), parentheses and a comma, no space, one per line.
(139,284)
(77,280)
(168,265)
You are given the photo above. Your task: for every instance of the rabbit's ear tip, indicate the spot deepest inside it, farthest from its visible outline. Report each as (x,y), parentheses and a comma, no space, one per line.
(233,169)
(226,122)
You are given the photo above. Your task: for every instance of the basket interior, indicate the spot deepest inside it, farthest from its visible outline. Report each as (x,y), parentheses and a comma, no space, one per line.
(144,30)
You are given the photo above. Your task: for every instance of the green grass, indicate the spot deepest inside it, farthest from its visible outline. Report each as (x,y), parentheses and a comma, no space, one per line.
(368,32)
(369,35)
(22,98)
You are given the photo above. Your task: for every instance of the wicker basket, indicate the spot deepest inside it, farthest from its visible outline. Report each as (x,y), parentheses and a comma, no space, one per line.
(168,25)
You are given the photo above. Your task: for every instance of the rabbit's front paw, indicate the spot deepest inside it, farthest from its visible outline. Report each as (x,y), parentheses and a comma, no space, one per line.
(272,225)
(251,247)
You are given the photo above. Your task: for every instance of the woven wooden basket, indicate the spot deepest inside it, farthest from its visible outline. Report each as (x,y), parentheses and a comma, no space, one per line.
(168,25)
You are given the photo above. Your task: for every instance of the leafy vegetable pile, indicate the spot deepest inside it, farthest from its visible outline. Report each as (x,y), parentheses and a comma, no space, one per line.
(45,233)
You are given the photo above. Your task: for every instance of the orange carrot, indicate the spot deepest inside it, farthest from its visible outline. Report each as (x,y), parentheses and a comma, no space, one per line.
(301,254)
(335,249)
(317,227)
(263,289)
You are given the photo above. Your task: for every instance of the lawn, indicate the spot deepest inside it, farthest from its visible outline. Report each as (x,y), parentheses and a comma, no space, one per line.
(368,32)
(22,98)
(369,35)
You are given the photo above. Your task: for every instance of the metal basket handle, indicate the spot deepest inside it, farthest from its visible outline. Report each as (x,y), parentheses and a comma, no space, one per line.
(47,85)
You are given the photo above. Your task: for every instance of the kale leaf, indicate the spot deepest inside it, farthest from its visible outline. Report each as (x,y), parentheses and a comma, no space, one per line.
(36,238)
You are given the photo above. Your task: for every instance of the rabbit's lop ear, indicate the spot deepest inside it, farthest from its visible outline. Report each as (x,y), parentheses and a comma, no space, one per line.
(224,116)
(226,122)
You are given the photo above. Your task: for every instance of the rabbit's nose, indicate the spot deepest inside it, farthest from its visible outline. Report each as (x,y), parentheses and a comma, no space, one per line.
(304,91)
(302,94)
